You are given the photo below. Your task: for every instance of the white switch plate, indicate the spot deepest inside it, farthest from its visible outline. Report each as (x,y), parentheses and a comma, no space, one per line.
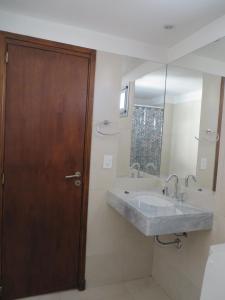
(203,165)
(107,161)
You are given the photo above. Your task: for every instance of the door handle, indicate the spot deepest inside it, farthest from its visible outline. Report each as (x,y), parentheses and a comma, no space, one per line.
(75,175)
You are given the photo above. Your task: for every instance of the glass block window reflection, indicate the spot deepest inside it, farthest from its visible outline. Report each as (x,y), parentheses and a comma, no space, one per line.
(146,138)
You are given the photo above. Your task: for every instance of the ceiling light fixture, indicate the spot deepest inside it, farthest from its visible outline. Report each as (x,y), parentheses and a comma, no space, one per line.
(168,27)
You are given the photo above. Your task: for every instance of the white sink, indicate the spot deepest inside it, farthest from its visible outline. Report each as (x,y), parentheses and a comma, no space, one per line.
(155,214)
(150,199)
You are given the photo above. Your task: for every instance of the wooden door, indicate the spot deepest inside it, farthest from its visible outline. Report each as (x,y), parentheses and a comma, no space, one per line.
(45,139)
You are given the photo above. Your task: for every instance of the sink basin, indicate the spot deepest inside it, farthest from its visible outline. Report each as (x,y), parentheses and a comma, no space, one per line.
(150,203)
(150,199)
(154,214)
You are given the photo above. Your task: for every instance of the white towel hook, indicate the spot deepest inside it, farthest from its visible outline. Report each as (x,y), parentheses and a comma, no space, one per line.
(209,133)
(103,126)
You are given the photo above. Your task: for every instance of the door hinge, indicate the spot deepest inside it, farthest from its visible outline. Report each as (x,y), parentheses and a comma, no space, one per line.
(3,178)
(7,57)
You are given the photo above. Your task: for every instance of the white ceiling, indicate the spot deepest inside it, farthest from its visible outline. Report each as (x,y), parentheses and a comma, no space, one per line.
(182,81)
(130,63)
(179,82)
(151,85)
(215,50)
(141,20)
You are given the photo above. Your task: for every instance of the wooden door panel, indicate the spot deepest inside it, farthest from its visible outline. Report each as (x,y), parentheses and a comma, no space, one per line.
(46,102)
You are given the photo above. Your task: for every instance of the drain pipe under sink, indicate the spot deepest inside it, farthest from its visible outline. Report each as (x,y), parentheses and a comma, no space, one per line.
(177,241)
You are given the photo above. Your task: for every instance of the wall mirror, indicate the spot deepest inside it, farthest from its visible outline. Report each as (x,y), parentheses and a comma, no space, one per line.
(174,119)
(141,131)
(190,134)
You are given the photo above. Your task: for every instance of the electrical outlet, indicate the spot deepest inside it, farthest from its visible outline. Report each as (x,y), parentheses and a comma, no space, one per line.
(107,161)
(203,165)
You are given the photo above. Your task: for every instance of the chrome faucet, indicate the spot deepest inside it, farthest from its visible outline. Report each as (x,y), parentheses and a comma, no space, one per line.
(172,176)
(136,164)
(150,165)
(186,180)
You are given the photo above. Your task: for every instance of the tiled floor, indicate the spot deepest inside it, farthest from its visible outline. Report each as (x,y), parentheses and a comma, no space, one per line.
(142,289)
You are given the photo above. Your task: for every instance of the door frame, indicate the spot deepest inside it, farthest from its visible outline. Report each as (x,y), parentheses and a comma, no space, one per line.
(219,127)
(9,38)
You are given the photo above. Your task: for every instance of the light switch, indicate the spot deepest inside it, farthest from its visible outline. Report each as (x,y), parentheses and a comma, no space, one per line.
(203,165)
(107,161)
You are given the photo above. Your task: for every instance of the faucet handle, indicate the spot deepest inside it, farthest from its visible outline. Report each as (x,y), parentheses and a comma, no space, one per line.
(186,180)
(165,190)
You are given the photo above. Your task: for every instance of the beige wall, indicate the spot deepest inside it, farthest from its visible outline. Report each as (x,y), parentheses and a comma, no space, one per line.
(184,147)
(179,148)
(116,251)
(180,272)
(209,120)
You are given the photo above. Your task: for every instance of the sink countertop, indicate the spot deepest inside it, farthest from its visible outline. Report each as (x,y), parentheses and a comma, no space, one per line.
(152,220)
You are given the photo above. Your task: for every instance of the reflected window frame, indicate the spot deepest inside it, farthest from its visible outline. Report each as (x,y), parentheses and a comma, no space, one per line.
(124,101)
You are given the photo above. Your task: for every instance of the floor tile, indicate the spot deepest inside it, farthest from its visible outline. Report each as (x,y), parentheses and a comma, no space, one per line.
(146,289)
(142,289)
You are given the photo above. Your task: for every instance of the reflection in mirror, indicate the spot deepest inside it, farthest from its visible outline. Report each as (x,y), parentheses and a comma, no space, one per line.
(190,124)
(182,121)
(124,101)
(141,132)
(209,63)
(181,134)
(147,123)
